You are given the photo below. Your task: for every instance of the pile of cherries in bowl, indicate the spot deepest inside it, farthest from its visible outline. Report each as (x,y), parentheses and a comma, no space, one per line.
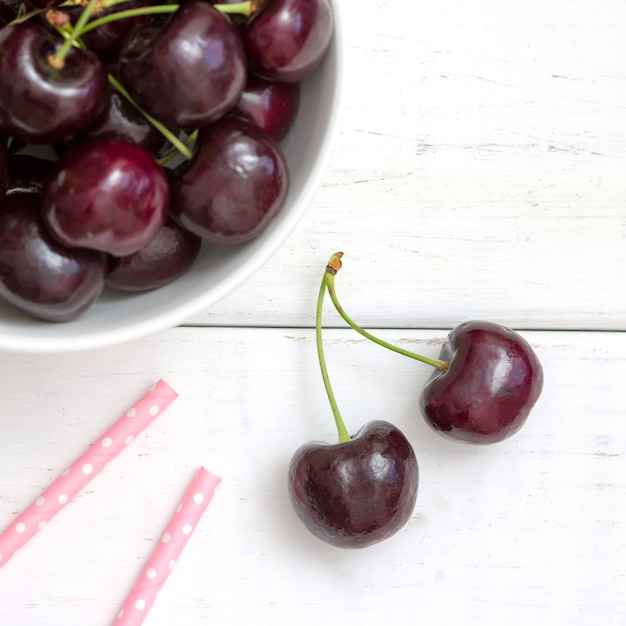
(158,130)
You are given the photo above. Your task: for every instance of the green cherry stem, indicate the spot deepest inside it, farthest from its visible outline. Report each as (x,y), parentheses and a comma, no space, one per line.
(24,16)
(124,14)
(188,141)
(246,8)
(58,59)
(334,265)
(107,4)
(341,427)
(166,132)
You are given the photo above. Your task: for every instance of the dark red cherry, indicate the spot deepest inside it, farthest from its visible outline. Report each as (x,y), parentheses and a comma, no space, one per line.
(357,493)
(288,39)
(106,194)
(493,381)
(235,184)
(168,256)
(188,73)
(37,274)
(269,104)
(40,103)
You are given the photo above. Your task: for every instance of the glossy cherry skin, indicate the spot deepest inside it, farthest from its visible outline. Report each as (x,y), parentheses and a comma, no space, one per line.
(165,258)
(288,39)
(233,187)
(189,72)
(106,195)
(38,102)
(38,275)
(358,493)
(271,105)
(493,381)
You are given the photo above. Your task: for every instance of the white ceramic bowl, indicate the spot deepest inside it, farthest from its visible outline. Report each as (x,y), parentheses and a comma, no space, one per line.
(118,317)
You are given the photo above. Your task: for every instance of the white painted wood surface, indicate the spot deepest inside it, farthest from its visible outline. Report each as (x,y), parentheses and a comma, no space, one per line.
(530,531)
(480,172)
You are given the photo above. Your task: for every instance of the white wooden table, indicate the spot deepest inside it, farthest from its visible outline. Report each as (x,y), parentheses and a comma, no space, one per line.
(480,172)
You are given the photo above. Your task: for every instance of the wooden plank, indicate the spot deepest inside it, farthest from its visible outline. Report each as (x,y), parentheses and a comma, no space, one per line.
(530,530)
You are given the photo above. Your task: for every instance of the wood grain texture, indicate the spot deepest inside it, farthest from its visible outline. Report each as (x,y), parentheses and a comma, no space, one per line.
(530,531)
(479,172)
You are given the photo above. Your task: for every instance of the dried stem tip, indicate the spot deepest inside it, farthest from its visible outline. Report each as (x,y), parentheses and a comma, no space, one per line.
(55,62)
(334,264)
(59,19)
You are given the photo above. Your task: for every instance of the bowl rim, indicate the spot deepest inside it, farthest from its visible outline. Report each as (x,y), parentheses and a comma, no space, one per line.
(177,316)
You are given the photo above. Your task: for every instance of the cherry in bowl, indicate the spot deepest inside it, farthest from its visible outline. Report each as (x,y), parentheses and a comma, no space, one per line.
(118,317)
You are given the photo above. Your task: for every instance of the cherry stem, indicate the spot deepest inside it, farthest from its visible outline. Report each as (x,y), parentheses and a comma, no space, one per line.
(122,15)
(58,59)
(188,141)
(341,427)
(107,4)
(24,16)
(334,265)
(166,132)
(242,8)
(246,8)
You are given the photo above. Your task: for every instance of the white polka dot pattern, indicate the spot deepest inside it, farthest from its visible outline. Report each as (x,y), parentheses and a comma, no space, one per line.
(83,470)
(168,549)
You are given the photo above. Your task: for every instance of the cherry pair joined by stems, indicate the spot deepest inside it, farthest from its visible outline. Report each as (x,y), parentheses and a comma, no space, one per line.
(363,489)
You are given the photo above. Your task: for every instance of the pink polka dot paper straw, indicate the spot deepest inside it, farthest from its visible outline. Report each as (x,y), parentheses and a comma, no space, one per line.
(83,470)
(168,549)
